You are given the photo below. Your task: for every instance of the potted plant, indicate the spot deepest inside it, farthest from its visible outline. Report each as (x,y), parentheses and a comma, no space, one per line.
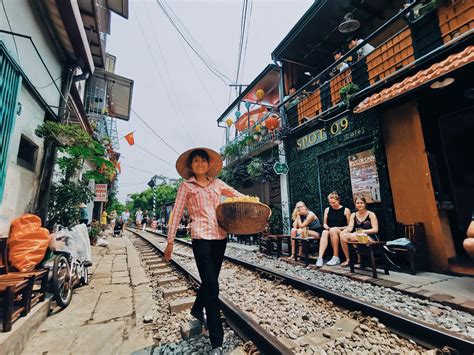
(347,91)
(255,167)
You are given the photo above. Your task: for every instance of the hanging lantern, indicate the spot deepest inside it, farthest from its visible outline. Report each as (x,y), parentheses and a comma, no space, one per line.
(258,128)
(272,122)
(247,105)
(237,114)
(229,122)
(260,94)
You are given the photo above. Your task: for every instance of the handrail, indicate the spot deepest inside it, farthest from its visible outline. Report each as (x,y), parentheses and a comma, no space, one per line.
(351,52)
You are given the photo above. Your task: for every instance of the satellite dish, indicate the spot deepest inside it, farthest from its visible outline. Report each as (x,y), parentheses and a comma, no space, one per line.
(349,24)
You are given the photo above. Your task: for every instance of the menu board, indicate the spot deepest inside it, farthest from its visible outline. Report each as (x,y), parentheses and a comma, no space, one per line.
(364,176)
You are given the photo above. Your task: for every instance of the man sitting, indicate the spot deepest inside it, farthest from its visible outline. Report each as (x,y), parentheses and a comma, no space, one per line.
(353,42)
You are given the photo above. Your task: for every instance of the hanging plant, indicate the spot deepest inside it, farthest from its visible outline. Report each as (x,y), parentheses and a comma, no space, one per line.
(232,150)
(347,91)
(255,167)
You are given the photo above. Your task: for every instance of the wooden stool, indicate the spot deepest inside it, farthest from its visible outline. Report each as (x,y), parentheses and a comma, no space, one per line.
(372,249)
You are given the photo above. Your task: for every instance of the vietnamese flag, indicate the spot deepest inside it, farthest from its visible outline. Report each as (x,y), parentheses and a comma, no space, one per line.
(129,138)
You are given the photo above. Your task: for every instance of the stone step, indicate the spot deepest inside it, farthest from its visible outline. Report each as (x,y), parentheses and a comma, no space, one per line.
(167,280)
(191,329)
(174,291)
(181,304)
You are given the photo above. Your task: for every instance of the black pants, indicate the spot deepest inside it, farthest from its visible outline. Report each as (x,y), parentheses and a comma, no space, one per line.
(209,255)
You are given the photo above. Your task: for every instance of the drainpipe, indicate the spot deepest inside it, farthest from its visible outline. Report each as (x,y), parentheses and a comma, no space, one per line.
(50,150)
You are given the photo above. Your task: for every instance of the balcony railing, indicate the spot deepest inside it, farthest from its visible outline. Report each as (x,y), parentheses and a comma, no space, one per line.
(322,94)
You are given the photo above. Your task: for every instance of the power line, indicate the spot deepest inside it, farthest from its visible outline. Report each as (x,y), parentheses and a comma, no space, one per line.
(153,131)
(144,171)
(10,26)
(173,89)
(199,52)
(247,37)
(159,73)
(154,155)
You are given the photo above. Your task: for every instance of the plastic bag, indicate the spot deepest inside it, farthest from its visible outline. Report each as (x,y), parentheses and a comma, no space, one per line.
(82,242)
(101,242)
(27,243)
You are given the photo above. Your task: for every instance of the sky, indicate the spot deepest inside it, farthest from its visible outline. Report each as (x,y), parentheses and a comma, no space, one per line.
(173,91)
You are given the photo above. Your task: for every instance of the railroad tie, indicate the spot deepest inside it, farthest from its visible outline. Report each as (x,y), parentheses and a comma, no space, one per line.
(191,329)
(174,291)
(181,304)
(167,280)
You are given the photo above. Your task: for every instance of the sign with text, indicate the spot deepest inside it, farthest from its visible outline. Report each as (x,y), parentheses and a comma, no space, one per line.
(364,176)
(320,135)
(101,192)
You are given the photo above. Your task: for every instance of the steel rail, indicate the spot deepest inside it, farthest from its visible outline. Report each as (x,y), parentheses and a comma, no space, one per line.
(421,332)
(242,324)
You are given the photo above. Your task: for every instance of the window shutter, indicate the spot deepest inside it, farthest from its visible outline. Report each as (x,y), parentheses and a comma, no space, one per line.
(10,80)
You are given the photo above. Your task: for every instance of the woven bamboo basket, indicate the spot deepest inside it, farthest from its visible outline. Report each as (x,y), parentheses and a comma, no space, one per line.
(242,217)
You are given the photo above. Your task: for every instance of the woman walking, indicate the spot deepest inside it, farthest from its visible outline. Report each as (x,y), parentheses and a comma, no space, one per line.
(200,194)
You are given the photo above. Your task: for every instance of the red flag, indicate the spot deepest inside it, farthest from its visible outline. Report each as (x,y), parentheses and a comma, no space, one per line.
(119,167)
(129,138)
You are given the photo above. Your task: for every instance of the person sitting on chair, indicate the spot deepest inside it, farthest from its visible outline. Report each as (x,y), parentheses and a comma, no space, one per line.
(303,218)
(336,219)
(362,219)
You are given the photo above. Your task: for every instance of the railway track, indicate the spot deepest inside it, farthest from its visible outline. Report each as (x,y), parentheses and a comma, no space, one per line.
(362,316)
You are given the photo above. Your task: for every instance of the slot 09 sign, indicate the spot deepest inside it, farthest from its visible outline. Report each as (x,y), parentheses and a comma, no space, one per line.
(100,193)
(321,135)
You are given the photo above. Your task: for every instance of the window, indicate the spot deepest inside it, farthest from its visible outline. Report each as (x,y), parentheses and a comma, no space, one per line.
(27,153)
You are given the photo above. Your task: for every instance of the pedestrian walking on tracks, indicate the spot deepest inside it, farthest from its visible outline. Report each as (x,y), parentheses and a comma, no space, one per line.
(200,194)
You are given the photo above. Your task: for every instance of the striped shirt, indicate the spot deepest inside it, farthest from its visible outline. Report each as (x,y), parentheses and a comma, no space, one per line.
(201,203)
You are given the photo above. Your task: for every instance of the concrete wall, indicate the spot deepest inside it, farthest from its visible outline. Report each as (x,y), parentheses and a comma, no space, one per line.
(21,184)
(24,20)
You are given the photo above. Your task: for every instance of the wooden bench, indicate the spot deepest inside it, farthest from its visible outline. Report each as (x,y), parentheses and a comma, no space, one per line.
(273,244)
(374,250)
(19,291)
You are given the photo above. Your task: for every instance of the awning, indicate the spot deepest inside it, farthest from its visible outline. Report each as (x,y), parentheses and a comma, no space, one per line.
(423,77)
(119,91)
(268,81)
(120,7)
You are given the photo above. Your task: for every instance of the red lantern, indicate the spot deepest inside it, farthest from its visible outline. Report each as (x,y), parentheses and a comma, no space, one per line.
(272,122)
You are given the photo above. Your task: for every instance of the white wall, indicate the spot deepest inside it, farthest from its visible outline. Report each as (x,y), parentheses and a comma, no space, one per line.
(21,184)
(24,21)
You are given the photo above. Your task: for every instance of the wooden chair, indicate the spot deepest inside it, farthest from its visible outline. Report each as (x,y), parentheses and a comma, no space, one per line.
(415,254)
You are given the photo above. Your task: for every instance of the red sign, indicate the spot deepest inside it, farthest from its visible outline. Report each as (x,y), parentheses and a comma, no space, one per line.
(101,192)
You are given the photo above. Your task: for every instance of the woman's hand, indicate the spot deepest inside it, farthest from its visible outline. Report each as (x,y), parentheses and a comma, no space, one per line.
(168,251)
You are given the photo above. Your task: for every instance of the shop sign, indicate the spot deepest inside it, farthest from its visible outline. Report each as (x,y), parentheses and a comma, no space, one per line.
(364,176)
(101,192)
(321,135)
(281,168)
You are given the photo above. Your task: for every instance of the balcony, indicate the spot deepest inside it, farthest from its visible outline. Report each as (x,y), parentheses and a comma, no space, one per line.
(408,37)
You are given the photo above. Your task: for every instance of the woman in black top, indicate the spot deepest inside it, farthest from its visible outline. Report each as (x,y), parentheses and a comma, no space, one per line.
(362,219)
(336,218)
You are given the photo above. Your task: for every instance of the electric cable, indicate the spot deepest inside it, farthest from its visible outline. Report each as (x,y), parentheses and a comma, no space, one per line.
(159,73)
(207,61)
(173,88)
(10,26)
(153,131)
(154,155)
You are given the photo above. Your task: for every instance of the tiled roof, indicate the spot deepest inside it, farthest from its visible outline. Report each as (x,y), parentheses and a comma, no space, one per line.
(451,63)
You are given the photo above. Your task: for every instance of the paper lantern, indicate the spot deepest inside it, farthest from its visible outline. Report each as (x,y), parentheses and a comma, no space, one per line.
(229,122)
(237,114)
(248,104)
(258,128)
(272,122)
(260,94)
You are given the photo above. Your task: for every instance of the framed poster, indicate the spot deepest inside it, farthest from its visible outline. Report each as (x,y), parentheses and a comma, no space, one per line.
(364,176)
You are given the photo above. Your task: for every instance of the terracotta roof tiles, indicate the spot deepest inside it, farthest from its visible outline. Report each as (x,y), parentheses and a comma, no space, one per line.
(451,63)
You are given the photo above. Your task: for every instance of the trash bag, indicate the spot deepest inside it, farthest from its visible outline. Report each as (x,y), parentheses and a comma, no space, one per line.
(27,242)
(82,242)
(101,242)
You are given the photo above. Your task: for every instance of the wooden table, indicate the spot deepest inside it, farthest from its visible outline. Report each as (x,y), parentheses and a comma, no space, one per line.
(305,245)
(372,249)
(268,241)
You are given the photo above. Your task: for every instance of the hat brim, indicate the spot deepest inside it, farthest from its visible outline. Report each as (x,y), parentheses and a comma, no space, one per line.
(183,168)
